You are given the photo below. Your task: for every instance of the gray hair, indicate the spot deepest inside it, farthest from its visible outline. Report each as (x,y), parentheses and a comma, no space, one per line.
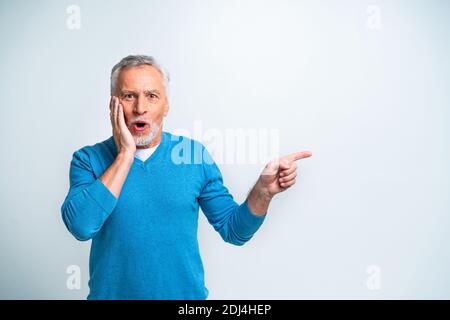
(134,61)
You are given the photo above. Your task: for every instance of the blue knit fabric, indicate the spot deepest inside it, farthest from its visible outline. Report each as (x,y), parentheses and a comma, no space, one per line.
(144,244)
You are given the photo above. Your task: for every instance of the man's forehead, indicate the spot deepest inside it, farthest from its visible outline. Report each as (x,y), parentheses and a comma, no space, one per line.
(144,76)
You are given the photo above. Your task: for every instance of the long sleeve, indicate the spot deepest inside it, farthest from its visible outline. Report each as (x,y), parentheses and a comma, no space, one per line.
(88,203)
(235,223)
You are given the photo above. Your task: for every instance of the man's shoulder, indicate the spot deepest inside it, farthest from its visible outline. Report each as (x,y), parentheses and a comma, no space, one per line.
(175,139)
(180,138)
(188,150)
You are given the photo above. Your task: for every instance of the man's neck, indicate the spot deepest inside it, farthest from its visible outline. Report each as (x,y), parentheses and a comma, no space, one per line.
(154,142)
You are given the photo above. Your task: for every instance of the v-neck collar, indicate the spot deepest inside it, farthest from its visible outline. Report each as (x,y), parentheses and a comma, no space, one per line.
(155,153)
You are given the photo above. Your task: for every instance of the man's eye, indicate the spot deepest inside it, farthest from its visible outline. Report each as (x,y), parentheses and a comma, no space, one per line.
(152,96)
(128,96)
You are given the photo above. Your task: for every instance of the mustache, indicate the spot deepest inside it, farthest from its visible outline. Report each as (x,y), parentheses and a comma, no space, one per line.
(154,124)
(139,120)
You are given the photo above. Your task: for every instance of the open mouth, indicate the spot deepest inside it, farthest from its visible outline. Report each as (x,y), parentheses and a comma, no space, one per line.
(140,125)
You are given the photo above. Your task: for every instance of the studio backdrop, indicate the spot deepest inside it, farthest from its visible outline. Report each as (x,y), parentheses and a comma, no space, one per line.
(362,84)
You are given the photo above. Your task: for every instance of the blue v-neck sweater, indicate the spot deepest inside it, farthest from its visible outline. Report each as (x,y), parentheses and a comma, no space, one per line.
(144,244)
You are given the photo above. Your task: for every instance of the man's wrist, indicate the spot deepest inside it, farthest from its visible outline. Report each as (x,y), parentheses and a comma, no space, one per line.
(263,192)
(125,156)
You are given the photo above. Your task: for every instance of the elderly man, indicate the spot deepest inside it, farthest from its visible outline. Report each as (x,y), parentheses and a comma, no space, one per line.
(140,206)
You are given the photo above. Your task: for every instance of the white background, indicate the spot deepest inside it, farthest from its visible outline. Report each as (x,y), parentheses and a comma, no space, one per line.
(368,97)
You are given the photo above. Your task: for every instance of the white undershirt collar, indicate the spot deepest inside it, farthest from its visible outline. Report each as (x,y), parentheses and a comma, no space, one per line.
(144,154)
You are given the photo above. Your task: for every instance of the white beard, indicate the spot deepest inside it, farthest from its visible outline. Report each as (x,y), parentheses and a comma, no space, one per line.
(144,140)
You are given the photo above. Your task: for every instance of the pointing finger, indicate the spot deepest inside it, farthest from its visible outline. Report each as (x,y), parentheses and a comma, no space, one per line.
(299,155)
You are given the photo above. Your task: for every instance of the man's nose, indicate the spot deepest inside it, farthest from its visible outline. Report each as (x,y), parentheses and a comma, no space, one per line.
(140,107)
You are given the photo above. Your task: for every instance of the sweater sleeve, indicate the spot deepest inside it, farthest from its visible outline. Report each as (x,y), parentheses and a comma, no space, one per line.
(88,203)
(235,223)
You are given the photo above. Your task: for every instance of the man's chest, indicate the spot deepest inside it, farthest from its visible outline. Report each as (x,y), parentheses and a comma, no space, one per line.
(157,195)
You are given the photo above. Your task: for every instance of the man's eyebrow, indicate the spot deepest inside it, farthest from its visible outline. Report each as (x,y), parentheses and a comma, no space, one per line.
(152,91)
(125,91)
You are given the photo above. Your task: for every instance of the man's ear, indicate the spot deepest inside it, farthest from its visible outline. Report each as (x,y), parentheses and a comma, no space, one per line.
(166,109)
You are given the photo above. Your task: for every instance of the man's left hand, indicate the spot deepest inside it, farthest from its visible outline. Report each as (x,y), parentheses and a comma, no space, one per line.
(279,175)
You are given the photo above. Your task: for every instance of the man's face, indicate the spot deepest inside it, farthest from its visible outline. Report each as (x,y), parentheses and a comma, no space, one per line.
(143,96)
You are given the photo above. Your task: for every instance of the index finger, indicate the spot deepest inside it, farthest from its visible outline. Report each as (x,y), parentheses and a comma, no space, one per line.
(299,155)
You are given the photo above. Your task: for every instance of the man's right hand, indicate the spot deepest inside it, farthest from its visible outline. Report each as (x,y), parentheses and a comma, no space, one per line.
(114,177)
(122,136)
